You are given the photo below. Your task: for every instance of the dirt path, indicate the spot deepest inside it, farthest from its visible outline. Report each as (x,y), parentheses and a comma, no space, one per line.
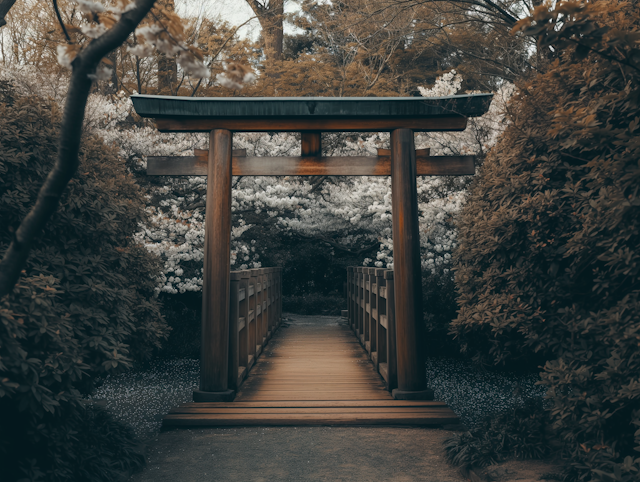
(299,454)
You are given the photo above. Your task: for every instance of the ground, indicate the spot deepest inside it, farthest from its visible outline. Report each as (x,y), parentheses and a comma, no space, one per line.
(299,454)
(316,454)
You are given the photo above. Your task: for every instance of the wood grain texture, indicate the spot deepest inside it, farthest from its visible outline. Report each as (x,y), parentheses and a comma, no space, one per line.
(406,263)
(214,374)
(311,144)
(313,124)
(310,166)
(312,374)
(205,152)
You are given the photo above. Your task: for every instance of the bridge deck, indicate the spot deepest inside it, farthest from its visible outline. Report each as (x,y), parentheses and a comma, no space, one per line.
(312,372)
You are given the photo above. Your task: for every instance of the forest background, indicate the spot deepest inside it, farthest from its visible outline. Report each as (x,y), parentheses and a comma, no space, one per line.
(122,236)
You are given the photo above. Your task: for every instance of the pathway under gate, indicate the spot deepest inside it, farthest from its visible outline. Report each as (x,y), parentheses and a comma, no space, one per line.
(313,372)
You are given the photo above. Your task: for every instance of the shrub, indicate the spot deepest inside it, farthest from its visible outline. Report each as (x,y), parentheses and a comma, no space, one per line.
(520,433)
(548,263)
(84,306)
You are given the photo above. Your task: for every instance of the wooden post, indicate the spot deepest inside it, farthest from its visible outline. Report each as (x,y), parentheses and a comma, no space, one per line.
(279,296)
(374,317)
(392,352)
(349,308)
(234,327)
(267,281)
(359,301)
(243,335)
(311,144)
(214,375)
(407,272)
(253,321)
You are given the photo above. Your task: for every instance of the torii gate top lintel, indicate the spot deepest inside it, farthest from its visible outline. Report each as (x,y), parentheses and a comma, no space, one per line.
(401,116)
(299,114)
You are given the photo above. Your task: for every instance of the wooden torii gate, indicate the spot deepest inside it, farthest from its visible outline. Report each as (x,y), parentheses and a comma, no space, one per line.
(401,116)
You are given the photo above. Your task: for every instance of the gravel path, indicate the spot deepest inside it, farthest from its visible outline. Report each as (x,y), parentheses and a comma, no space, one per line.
(142,397)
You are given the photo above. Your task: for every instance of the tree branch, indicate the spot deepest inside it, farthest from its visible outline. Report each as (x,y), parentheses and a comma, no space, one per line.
(64,29)
(195,89)
(66,164)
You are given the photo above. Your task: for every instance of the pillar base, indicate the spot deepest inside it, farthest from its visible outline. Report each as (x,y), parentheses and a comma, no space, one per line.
(411,395)
(226,396)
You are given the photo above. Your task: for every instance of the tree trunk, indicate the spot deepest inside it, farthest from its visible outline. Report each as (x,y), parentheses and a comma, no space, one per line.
(271,18)
(167,67)
(273,41)
(167,75)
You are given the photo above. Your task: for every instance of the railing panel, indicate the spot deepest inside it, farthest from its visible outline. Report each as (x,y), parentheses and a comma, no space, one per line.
(255,312)
(371,316)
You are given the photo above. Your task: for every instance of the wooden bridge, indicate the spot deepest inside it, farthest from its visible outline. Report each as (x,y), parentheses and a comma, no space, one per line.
(326,372)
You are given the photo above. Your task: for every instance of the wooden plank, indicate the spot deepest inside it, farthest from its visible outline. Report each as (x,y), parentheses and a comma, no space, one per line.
(205,153)
(391,403)
(314,419)
(311,166)
(312,124)
(312,410)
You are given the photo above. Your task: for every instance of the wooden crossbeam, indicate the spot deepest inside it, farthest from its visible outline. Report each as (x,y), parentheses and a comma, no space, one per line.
(311,166)
(315,124)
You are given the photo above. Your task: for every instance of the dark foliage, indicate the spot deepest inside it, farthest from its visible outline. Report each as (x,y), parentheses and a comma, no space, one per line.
(548,267)
(314,304)
(439,305)
(84,306)
(183,313)
(520,433)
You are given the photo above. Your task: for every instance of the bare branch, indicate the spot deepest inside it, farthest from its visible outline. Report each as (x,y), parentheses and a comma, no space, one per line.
(231,35)
(64,29)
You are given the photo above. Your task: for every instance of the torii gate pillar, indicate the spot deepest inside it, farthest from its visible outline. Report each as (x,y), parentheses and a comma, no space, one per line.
(214,356)
(407,270)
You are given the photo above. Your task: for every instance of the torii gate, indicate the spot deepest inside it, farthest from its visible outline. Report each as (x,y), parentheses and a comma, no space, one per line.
(221,116)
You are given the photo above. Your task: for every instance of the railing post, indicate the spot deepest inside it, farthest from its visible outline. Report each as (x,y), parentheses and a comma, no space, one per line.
(271,327)
(257,273)
(214,358)
(392,353)
(243,335)
(373,317)
(349,296)
(263,314)
(360,302)
(279,296)
(234,345)
(253,326)
(412,383)
(366,338)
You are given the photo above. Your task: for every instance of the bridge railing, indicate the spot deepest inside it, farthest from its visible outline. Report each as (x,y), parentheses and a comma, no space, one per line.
(371,315)
(255,312)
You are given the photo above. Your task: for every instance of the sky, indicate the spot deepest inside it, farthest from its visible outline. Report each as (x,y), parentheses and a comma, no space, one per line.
(233,11)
